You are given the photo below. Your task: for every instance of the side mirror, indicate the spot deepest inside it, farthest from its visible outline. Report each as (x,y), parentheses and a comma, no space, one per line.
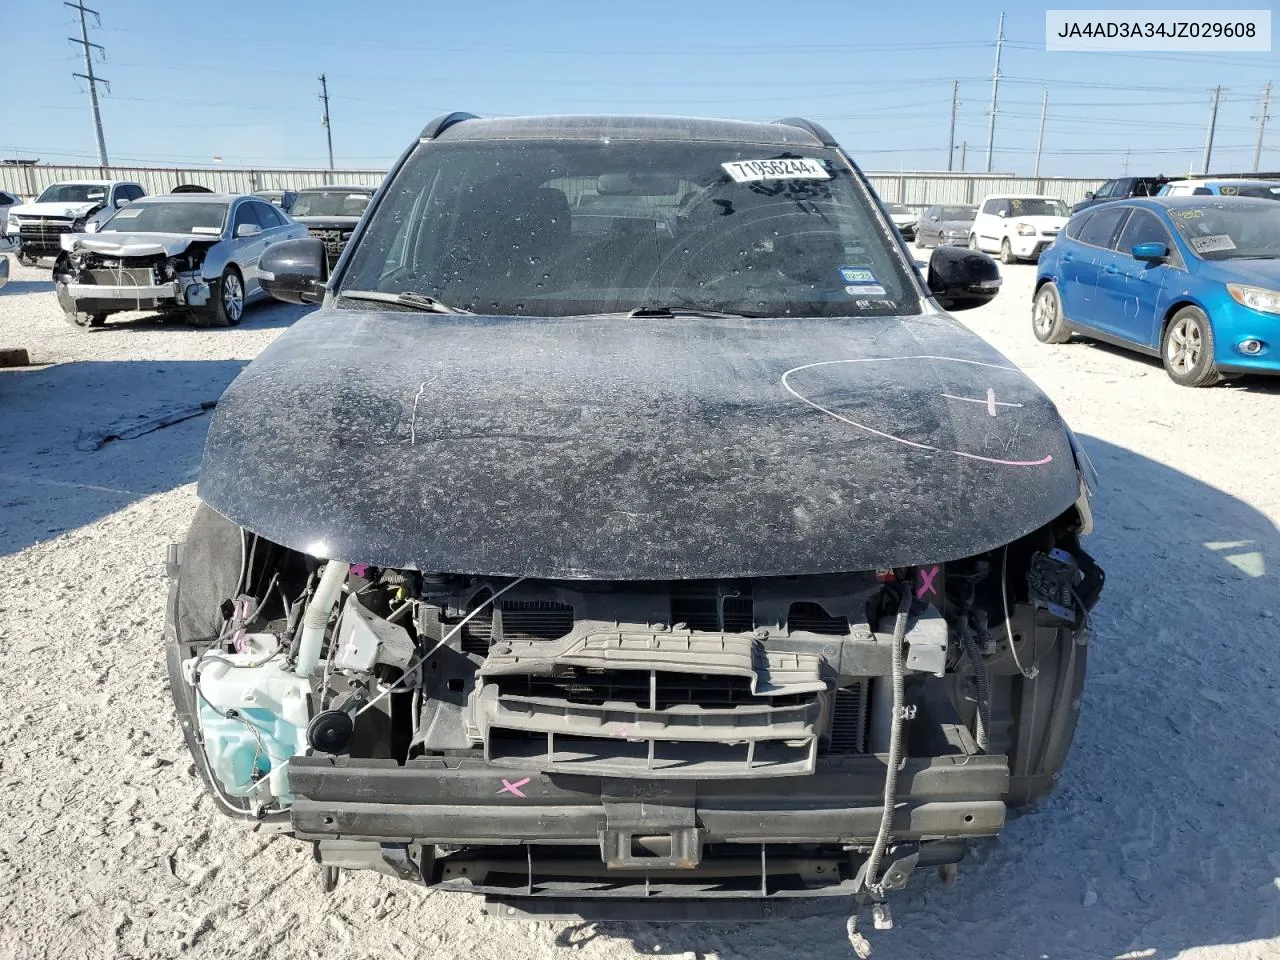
(248,230)
(962,279)
(1002,214)
(1154,252)
(1089,194)
(4,271)
(295,271)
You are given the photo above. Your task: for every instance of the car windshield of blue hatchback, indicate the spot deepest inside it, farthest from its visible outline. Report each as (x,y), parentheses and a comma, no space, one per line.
(1241,231)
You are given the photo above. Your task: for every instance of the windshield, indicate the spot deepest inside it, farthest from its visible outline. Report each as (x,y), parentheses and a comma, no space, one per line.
(1037,207)
(561,228)
(1264,191)
(158,217)
(330,203)
(1217,232)
(74,193)
(959,213)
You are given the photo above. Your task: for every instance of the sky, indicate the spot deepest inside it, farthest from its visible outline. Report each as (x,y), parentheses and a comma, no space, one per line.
(237,80)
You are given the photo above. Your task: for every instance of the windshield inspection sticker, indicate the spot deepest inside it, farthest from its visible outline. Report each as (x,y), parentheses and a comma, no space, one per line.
(857,275)
(1219,241)
(793,168)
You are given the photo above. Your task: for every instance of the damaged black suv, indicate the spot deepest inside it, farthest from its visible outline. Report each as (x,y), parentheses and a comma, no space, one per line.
(632,525)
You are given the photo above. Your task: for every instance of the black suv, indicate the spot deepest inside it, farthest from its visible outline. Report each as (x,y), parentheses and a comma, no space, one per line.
(632,525)
(1122,189)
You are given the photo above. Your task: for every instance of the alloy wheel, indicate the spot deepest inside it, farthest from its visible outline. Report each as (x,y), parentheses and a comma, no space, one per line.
(1185,345)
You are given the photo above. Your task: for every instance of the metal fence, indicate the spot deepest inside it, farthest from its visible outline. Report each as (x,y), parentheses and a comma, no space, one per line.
(918,190)
(915,189)
(28,181)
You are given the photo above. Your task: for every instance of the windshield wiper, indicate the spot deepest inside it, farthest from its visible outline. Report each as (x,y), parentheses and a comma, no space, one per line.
(415,301)
(664,312)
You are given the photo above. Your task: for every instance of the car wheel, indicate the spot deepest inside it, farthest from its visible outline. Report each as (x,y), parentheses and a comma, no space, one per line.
(226,302)
(1006,252)
(1047,321)
(1187,349)
(918,242)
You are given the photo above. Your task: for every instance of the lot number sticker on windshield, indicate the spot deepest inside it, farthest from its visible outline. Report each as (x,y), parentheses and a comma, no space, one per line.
(794,168)
(1219,241)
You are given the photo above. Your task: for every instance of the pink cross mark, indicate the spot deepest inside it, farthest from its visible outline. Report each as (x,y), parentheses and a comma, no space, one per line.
(926,583)
(509,787)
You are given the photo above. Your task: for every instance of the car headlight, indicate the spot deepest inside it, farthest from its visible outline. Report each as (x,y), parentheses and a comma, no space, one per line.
(1256,298)
(1025,229)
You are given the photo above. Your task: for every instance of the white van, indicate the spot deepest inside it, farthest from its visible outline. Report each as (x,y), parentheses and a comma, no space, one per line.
(1018,227)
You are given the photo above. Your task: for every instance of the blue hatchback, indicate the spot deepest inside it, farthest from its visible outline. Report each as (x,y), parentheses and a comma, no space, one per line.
(1193,280)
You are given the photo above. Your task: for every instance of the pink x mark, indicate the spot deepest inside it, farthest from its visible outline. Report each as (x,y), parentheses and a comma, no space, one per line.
(509,787)
(926,582)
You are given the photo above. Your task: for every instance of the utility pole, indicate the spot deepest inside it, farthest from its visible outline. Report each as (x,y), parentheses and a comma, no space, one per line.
(1213,122)
(328,129)
(1262,126)
(951,135)
(995,88)
(1044,108)
(1126,161)
(88,74)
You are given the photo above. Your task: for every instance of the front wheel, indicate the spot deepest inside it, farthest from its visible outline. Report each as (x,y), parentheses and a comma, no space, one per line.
(1006,252)
(1187,349)
(226,302)
(1047,321)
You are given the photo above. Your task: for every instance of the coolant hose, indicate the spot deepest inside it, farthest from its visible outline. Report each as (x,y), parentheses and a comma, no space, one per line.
(317,616)
(983,688)
(898,673)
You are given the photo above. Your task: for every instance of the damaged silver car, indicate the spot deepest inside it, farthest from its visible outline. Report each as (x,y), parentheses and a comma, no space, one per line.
(194,254)
(633,526)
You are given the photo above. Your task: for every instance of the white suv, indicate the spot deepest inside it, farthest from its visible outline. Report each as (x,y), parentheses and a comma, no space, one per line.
(64,207)
(1018,227)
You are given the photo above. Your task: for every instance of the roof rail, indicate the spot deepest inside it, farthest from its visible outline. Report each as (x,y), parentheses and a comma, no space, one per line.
(819,131)
(443,122)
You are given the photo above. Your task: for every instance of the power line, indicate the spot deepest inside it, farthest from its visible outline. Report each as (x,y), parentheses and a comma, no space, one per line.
(88,74)
(1213,122)
(951,136)
(1044,108)
(995,89)
(328,129)
(1262,125)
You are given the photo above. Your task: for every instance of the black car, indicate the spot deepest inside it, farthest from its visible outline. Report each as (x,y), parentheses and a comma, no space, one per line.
(632,525)
(331,214)
(1122,189)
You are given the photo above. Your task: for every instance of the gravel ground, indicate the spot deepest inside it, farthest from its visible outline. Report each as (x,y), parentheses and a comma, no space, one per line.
(1162,841)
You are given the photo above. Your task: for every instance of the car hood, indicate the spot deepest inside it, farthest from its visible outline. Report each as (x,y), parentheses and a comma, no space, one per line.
(605,448)
(903,219)
(1262,273)
(117,244)
(1042,222)
(59,210)
(957,226)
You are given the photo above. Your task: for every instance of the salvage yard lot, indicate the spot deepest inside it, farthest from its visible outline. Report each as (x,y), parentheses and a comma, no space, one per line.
(1163,839)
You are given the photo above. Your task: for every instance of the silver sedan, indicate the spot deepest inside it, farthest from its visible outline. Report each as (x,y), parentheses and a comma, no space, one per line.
(195,253)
